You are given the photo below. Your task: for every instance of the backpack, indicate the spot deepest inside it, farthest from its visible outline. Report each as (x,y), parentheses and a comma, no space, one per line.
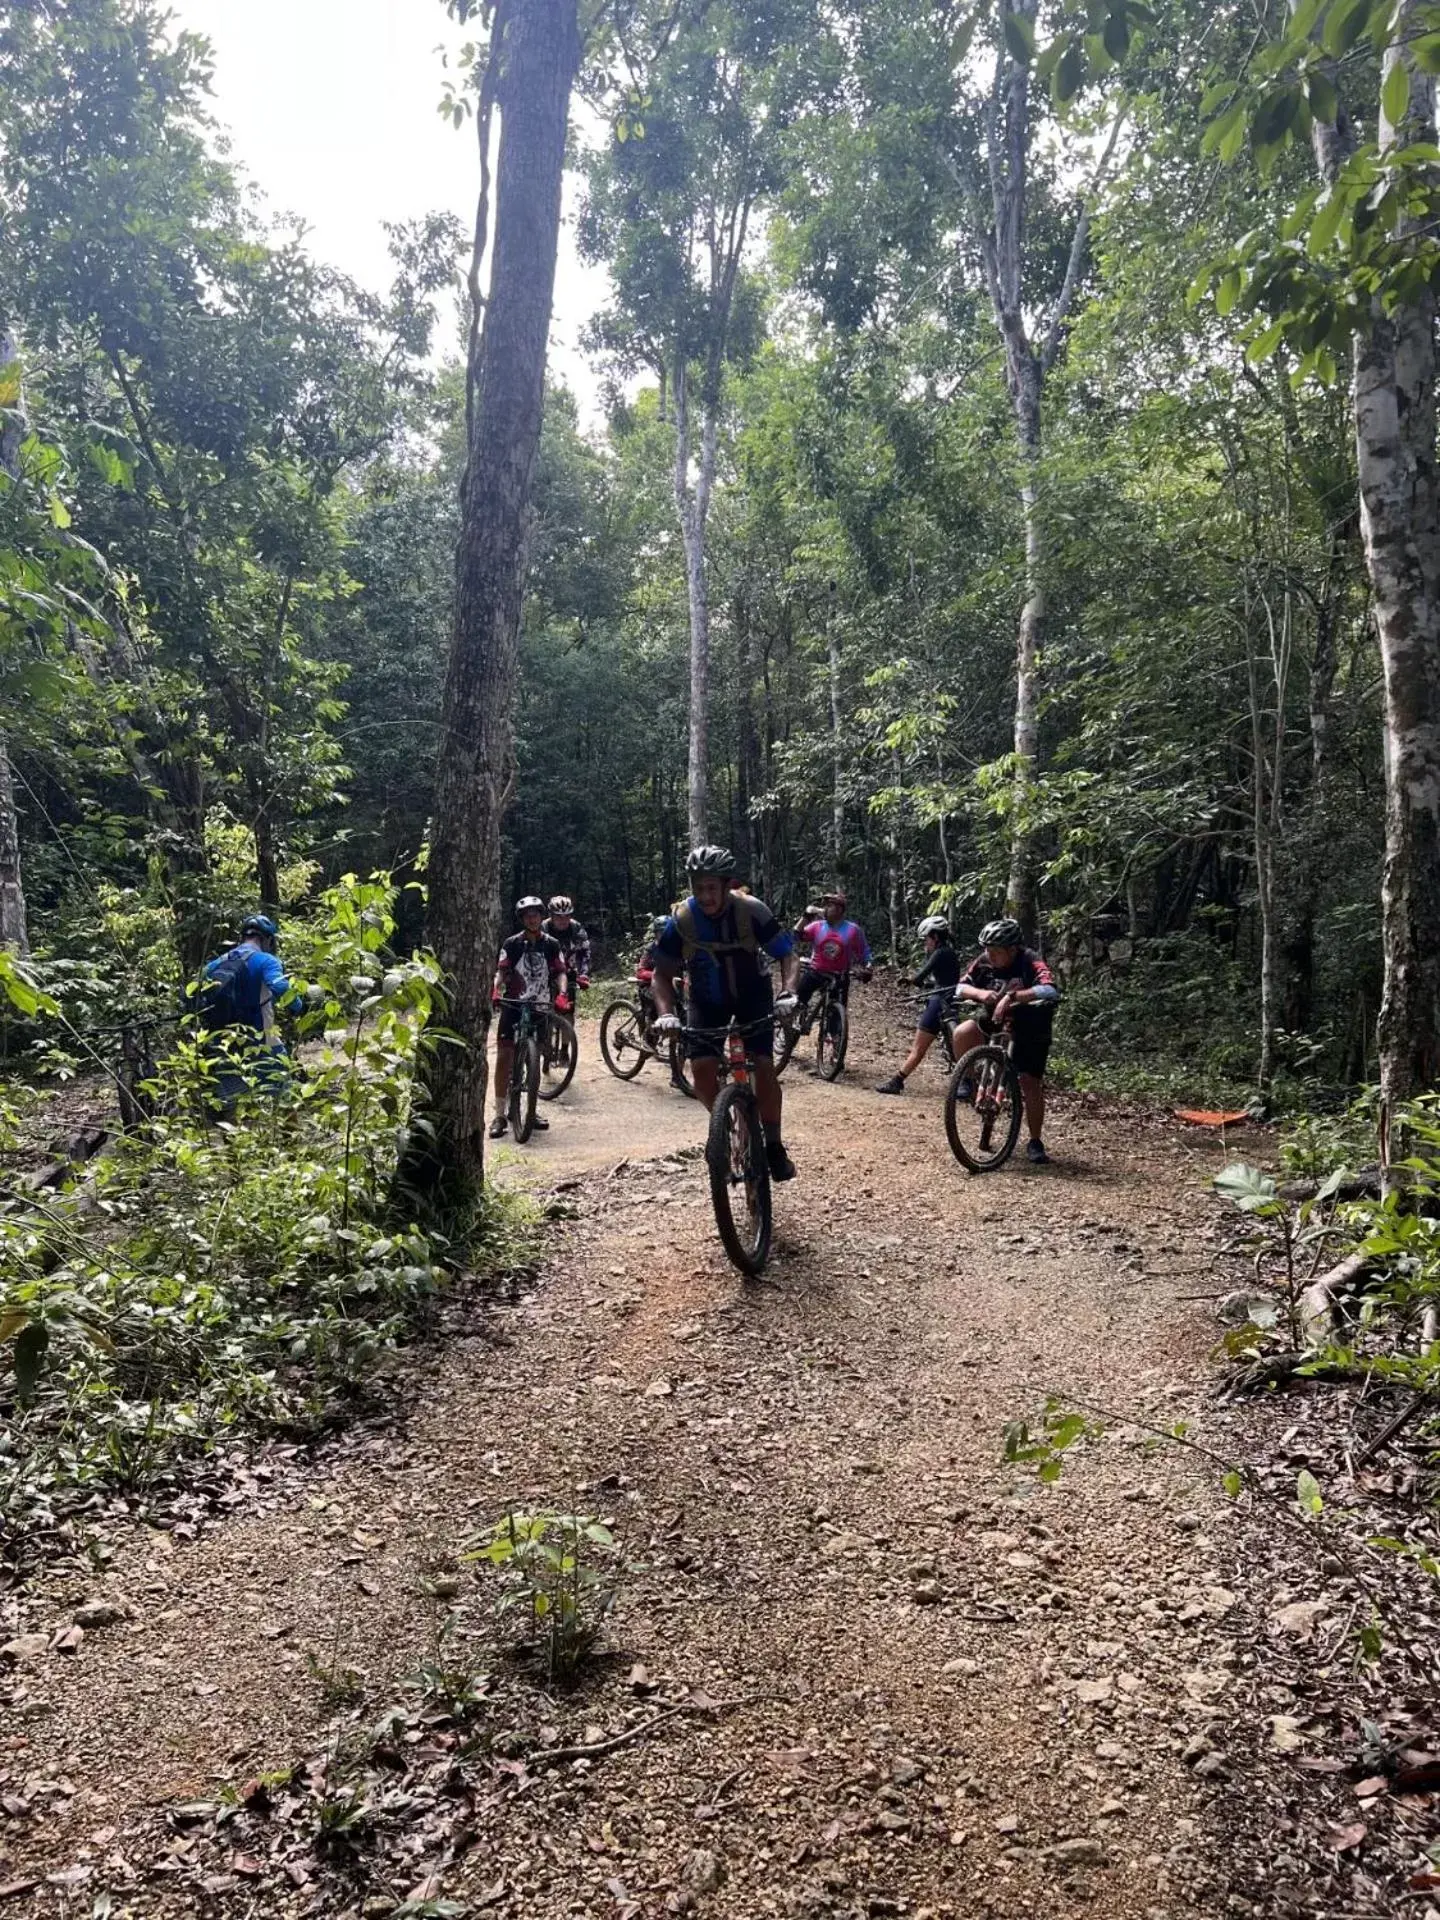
(214,998)
(744,942)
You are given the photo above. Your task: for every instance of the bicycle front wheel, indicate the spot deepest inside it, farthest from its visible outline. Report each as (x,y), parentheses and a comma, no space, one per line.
(524,1088)
(558,1057)
(622,1040)
(787,1037)
(982,1109)
(740,1178)
(833,1039)
(682,1073)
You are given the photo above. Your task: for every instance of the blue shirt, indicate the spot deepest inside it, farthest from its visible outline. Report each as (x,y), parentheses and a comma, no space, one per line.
(263,981)
(731,970)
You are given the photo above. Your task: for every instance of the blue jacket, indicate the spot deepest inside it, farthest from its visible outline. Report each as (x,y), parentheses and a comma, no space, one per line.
(264,979)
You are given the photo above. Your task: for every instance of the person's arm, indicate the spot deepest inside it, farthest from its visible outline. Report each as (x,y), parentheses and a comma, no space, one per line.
(927,968)
(669,961)
(1040,990)
(273,976)
(970,989)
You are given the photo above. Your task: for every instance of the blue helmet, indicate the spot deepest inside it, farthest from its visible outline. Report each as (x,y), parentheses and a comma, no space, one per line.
(259,923)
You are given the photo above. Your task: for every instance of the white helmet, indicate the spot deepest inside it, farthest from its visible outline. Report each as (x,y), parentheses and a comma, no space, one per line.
(562,903)
(934,923)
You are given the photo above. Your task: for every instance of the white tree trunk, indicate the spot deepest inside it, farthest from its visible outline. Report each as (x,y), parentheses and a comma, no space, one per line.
(1020,894)
(692,507)
(837,765)
(1395,429)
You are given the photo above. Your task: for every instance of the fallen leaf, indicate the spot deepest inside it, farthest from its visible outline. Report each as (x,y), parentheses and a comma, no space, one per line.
(1299,1618)
(1285,1733)
(1367,1789)
(1346,1839)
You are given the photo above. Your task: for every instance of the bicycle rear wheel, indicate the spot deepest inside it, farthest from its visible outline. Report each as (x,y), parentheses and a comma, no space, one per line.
(559,1053)
(788,1032)
(833,1038)
(740,1178)
(982,1109)
(622,1040)
(524,1088)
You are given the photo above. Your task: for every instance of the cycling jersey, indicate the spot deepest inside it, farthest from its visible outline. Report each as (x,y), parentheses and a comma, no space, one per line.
(722,956)
(942,969)
(836,947)
(529,967)
(1027,969)
(574,944)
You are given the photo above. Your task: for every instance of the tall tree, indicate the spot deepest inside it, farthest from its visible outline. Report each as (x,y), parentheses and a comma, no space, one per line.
(14,928)
(531,62)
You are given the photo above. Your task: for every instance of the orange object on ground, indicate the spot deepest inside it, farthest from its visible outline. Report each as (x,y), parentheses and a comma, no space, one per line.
(1206,1117)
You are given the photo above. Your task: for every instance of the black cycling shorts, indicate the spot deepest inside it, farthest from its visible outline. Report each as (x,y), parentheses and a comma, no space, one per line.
(755,1003)
(935,1009)
(1030,1048)
(510,1020)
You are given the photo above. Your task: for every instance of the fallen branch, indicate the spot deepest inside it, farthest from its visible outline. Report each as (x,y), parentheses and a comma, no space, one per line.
(597,1749)
(1391,1427)
(1363,1184)
(1317,1302)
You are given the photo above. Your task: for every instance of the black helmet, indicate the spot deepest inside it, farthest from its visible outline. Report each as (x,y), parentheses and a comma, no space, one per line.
(718,860)
(1003,932)
(529,903)
(259,923)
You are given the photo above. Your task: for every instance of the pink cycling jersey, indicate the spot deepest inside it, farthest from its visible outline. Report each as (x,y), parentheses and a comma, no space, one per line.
(836,949)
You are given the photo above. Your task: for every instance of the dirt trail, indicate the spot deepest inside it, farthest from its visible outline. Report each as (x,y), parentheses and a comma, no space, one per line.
(955,1692)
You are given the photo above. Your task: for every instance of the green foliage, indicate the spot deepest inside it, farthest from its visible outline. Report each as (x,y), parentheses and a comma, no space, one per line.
(559,1570)
(1045,1446)
(213,1279)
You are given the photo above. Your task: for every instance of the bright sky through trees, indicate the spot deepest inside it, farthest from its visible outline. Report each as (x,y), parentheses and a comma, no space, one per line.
(332,109)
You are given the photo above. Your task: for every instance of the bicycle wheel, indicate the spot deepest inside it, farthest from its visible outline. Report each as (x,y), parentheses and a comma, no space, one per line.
(559,1052)
(682,1073)
(622,1040)
(982,1109)
(789,1032)
(740,1178)
(524,1088)
(833,1038)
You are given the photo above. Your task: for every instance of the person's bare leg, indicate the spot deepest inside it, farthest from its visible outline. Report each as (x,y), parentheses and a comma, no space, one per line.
(919,1048)
(504,1061)
(1032,1092)
(768,1096)
(707,1081)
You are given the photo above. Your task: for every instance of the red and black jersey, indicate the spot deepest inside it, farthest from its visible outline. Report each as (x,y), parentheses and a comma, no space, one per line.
(1027,969)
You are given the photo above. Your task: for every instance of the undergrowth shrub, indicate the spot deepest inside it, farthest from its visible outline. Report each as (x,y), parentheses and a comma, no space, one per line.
(214,1278)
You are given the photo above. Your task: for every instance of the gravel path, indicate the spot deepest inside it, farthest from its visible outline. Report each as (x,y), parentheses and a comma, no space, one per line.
(911,1680)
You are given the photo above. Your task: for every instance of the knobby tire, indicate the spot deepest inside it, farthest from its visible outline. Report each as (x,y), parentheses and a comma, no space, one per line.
(832,1040)
(740,1178)
(561,1054)
(621,1044)
(524,1088)
(993,1081)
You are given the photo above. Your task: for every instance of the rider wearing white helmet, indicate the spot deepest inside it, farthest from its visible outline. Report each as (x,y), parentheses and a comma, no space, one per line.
(941,972)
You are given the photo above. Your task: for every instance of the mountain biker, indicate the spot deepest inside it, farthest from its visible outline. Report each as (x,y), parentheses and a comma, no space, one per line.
(238,997)
(1012,985)
(574,941)
(531,967)
(717,938)
(837,946)
(645,987)
(941,973)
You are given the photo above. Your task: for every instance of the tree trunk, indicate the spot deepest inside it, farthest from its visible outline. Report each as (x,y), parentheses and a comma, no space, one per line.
(745,745)
(1020,894)
(837,758)
(537,48)
(14,929)
(692,505)
(1395,424)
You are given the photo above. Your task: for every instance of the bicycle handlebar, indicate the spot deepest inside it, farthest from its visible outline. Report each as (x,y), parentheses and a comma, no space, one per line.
(715,1033)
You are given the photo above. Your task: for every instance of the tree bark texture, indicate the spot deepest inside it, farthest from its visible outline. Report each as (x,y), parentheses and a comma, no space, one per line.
(692,505)
(537,50)
(14,928)
(1395,427)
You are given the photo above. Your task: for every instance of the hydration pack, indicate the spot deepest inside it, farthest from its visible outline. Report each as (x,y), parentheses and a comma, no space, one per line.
(214,998)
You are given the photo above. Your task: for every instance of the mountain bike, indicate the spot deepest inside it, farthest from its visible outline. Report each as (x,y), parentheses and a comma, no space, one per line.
(827,1013)
(735,1151)
(628,1040)
(525,1070)
(983,1105)
(559,1055)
